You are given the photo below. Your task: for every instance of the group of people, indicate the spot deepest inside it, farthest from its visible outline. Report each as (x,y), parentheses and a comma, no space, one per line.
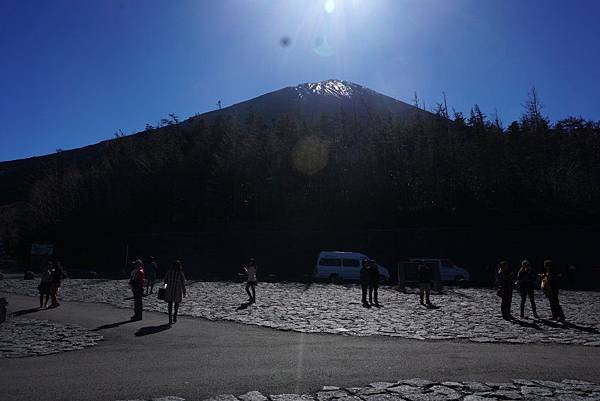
(526,282)
(369,282)
(49,285)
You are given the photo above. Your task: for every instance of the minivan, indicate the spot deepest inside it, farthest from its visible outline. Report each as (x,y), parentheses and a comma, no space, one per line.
(336,266)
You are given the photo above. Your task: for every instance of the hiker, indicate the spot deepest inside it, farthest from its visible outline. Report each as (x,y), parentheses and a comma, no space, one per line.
(45,286)
(504,283)
(424,276)
(57,274)
(251,282)
(526,283)
(174,289)
(150,269)
(550,286)
(364,282)
(136,282)
(373,273)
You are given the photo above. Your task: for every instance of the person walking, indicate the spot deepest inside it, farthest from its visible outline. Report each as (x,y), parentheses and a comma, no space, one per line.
(251,281)
(373,283)
(424,276)
(174,289)
(504,283)
(526,283)
(136,282)
(150,269)
(364,282)
(57,274)
(45,286)
(550,286)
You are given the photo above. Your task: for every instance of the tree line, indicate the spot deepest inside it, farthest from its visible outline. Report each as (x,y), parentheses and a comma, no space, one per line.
(381,171)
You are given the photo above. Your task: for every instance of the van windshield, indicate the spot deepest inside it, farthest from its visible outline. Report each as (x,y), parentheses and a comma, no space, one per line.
(330,262)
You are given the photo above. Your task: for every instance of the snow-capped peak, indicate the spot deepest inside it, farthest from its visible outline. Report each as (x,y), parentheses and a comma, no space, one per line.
(331,87)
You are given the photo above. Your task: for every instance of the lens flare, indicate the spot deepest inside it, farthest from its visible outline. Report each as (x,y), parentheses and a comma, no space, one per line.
(329,6)
(310,155)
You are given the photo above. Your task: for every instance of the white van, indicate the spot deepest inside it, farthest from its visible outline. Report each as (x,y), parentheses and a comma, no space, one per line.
(449,272)
(336,266)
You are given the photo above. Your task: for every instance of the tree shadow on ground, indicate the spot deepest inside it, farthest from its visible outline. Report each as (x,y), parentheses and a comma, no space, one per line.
(569,325)
(25,311)
(144,331)
(112,325)
(244,305)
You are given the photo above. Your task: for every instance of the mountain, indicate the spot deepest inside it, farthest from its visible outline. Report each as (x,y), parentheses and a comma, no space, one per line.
(308,101)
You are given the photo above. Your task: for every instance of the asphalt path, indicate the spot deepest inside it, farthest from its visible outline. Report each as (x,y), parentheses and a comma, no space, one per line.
(197,359)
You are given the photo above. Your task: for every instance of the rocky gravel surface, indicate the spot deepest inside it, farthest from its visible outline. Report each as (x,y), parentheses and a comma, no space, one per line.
(20,337)
(426,390)
(460,314)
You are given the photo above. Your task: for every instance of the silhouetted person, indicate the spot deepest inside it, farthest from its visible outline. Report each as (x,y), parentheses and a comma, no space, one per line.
(45,286)
(151,269)
(364,282)
(373,273)
(57,274)
(136,282)
(526,282)
(251,281)
(424,276)
(504,284)
(550,286)
(175,289)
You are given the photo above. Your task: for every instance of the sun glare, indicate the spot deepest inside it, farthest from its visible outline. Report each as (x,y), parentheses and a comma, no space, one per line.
(329,6)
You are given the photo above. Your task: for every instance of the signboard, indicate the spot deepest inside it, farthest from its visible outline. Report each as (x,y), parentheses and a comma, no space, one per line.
(42,249)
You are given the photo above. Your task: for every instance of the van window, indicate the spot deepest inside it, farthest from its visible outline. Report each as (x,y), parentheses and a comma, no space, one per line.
(330,262)
(447,262)
(351,262)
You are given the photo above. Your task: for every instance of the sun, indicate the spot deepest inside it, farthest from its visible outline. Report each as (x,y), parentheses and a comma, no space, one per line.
(329,6)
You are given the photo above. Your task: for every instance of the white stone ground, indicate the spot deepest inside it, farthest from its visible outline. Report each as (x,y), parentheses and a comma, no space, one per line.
(425,390)
(20,337)
(462,314)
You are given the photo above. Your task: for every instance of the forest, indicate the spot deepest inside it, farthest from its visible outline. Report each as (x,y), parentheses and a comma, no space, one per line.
(428,169)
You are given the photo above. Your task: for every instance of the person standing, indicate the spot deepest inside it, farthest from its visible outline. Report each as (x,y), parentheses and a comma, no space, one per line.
(504,283)
(174,289)
(424,276)
(57,274)
(571,275)
(45,287)
(550,286)
(150,270)
(525,280)
(373,283)
(251,280)
(364,282)
(136,282)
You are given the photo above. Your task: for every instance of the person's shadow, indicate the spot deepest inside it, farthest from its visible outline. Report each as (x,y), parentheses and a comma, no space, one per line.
(244,305)
(523,323)
(112,325)
(144,331)
(569,325)
(25,311)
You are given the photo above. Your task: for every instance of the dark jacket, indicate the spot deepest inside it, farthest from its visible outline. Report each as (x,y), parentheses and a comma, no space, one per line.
(525,279)
(424,274)
(504,282)
(364,275)
(373,273)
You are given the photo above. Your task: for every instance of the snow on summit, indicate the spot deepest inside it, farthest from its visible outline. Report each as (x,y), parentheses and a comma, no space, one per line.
(331,87)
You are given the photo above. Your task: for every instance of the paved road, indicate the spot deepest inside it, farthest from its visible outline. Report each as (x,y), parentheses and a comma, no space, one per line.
(197,359)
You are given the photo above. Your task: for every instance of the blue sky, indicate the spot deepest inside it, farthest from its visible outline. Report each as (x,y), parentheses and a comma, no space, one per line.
(74,72)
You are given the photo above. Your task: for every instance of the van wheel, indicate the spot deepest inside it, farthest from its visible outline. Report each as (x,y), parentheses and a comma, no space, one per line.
(382,278)
(334,278)
(459,281)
